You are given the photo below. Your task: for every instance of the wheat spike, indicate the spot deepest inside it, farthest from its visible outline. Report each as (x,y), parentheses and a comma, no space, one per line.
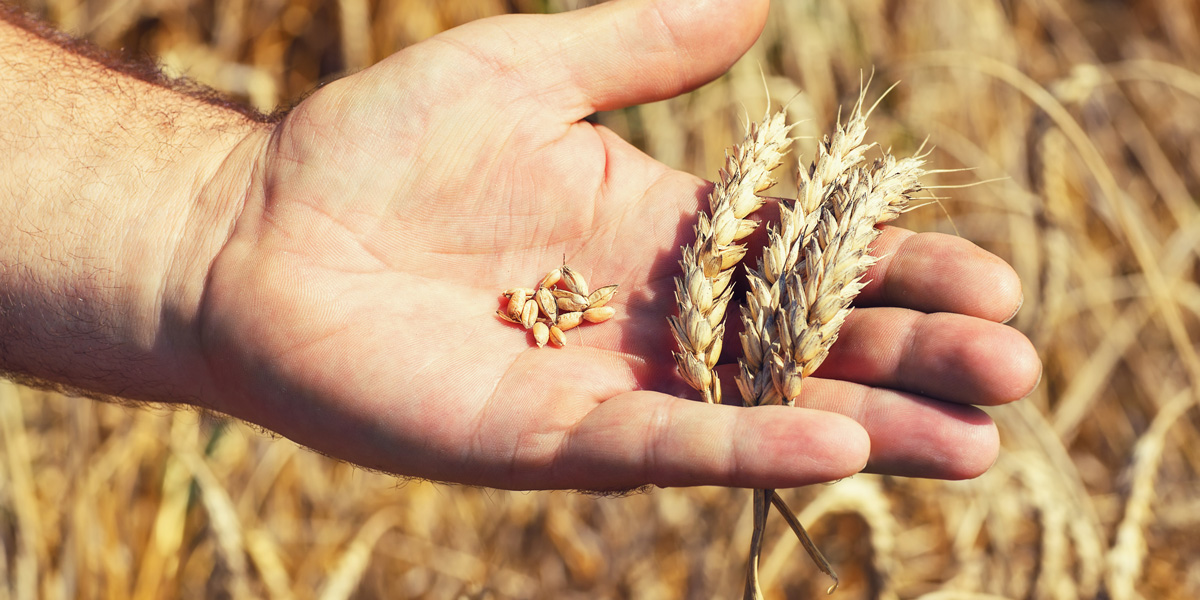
(703,291)
(836,158)
(829,276)
(814,261)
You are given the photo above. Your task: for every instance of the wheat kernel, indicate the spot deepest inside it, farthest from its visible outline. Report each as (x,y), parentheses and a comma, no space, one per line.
(516,303)
(572,303)
(556,336)
(545,301)
(569,320)
(574,281)
(529,314)
(541,333)
(551,278)
(599,315)
(601,296)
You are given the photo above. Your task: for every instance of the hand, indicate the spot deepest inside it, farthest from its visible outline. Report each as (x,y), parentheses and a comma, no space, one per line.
(352,307)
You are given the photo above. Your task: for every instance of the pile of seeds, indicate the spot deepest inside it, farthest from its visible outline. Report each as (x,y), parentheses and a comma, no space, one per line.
(561,302)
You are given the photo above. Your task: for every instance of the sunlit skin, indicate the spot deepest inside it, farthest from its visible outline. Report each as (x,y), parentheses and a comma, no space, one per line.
(337,277)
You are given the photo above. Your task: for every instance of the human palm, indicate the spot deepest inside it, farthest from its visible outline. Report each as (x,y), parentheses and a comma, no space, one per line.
(352,308)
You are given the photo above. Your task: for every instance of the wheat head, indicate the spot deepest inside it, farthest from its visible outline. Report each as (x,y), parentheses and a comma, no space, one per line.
(798,220)
(703,292)
(813,265)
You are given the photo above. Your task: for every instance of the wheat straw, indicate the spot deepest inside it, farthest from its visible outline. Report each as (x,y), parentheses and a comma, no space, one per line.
(1129,551)
(1130,222)
(223,519)
(21,490)
(350,566)
(1053,505)
(158,569)
(266,556)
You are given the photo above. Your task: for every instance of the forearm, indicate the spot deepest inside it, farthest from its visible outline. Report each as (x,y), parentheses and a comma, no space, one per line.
(115,194)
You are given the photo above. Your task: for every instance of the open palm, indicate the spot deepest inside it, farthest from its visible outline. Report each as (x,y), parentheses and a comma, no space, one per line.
(352,308)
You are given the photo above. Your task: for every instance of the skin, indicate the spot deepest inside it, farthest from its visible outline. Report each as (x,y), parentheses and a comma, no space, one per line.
(333,277)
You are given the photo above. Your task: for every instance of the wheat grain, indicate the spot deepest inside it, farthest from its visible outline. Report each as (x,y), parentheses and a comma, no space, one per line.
(572,303)
(516,302)
(574,281)
(546,303)
(569,320)
(548,312)
(703,291)
(529,315)
(541,333)
(599,315)
(551,279)
(556,336)
(601,296)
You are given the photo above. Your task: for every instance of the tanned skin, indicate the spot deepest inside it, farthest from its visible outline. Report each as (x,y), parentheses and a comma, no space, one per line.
(331,276)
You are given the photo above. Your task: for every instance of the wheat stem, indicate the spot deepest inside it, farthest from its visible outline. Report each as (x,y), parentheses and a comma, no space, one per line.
(801,534)
(762,505)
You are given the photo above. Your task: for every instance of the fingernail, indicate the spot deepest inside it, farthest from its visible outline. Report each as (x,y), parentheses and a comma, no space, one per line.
(1016,310)
(1041,372)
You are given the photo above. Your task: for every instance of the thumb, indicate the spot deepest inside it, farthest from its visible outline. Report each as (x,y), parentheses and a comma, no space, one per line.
(619,53)
(646,437)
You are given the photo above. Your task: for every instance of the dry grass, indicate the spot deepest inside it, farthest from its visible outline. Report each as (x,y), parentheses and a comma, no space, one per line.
(1088,116)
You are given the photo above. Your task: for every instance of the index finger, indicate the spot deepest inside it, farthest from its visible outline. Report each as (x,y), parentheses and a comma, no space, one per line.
(935,272)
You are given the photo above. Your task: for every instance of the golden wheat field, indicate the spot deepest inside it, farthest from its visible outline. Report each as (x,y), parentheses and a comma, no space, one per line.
(1073,128)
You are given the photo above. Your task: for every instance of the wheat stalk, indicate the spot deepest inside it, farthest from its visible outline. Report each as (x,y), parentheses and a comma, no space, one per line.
(797,224)
(1128,553)
(703,291)
(811,271)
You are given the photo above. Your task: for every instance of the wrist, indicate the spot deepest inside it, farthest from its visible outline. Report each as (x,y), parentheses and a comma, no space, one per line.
(226,174)
(114,196)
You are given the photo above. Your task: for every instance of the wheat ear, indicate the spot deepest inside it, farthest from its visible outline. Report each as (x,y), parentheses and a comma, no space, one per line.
(829,276)
(703,291)
(836,158)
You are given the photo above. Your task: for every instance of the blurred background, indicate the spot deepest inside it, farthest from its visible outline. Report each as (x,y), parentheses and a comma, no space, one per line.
(1079,124)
